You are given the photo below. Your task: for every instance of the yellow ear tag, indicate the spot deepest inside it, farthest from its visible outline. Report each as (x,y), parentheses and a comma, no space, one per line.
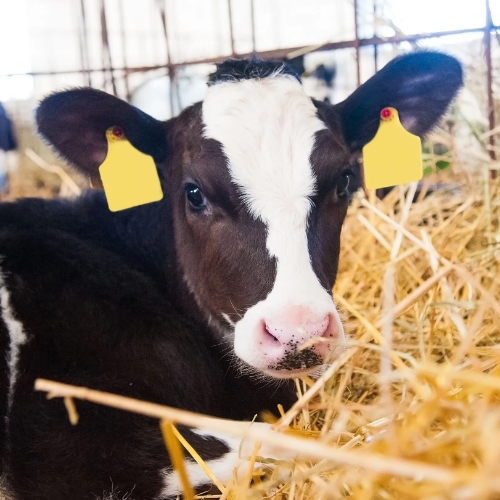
(129,177)
(393,156)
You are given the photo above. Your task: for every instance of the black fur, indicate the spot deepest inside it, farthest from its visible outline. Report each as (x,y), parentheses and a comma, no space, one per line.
(233,70)
(98,310)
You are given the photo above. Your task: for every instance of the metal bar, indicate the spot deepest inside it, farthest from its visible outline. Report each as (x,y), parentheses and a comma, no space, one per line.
(356,44)
(162,6)
(84,46)
(272,54)
(121,18)
(375,47)
(252,17)
(104,63)
(231,28)
(105,46)
(489,83)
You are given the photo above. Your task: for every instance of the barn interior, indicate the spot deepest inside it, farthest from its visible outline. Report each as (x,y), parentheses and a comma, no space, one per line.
(411,409)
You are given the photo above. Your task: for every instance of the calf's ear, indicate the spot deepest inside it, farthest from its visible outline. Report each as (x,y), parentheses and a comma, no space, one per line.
(419,85)
(75,123)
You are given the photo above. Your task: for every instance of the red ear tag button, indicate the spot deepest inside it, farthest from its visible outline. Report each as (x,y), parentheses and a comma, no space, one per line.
(386,114)
(118,132)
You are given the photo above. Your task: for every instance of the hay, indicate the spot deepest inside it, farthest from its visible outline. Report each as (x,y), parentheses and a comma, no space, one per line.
(35,176)
(411,409)
(426,390)
(419,387)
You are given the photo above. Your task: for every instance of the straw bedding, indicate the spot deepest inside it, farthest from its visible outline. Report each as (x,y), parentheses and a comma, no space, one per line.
(411,409)
(420,390)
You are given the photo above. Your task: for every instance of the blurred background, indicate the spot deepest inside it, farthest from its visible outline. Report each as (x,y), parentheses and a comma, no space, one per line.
(157,54)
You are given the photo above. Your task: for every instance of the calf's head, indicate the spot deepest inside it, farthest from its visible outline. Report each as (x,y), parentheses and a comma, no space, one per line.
(257,180)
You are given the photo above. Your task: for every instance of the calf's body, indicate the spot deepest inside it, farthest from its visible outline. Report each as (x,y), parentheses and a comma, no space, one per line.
(201,300)
(105,320)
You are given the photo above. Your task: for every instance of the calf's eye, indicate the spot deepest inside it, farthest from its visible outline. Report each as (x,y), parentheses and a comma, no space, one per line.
(343,184)
(195,197)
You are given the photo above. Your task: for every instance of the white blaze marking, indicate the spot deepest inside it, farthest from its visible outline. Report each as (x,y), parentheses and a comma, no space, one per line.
(17,337)
(266,128)
(267,131)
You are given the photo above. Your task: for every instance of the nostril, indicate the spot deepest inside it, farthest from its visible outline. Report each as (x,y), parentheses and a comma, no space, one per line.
(325,324)
(330,329)
(271,336)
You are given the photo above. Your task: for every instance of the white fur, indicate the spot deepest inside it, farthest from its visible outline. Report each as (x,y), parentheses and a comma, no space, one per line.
(224,467)
(17,337)
(221,467)
(5,494)
(228,320)
(267,130)
(113,496)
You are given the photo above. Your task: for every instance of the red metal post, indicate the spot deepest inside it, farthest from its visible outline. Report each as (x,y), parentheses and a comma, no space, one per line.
(375,47)
(171,68)
(489,83)
(356,43)
(84,48)
(105,46)
(252,16)
(231,31)
(123,35)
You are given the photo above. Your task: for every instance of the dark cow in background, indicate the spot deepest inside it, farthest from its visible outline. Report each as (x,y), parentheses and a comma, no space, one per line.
(7,143)
(199,301)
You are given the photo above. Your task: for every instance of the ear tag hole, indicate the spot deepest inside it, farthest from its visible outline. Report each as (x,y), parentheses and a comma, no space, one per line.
(386,114)
(118,132)
(393,156)
(129,177)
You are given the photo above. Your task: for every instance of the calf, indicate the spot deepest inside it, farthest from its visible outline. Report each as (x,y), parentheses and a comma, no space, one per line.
(199,301)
